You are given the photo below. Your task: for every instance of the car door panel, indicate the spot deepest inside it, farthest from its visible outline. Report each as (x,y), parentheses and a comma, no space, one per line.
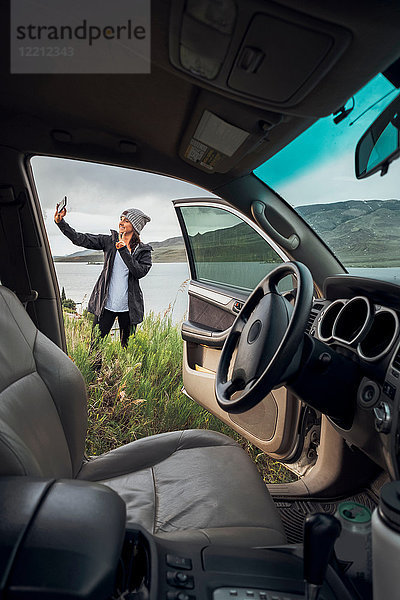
(211,315)
(269,425)
(214,302)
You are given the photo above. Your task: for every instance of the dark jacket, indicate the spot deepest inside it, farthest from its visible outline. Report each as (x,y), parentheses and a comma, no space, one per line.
(138,264)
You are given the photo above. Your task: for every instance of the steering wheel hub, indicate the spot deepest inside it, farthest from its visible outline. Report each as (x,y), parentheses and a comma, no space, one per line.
(254,332)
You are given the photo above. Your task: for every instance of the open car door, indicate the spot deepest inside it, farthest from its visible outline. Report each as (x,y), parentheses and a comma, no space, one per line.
(228,255)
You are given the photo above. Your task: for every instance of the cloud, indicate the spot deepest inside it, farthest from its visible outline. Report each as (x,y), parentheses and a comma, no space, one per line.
(97,194)
(334,181)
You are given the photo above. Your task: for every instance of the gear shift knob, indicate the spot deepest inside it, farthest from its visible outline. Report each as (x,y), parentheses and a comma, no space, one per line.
(320,533)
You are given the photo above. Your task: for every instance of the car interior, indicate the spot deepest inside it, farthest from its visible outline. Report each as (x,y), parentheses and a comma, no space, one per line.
(307,371)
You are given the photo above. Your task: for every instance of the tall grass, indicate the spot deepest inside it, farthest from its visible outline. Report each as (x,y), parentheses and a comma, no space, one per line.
(137,392)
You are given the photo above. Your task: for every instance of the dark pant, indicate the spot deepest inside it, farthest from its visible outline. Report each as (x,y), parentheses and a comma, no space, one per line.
(106,321)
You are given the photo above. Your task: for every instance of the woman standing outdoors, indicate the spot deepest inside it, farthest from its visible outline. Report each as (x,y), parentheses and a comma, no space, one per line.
(117,291)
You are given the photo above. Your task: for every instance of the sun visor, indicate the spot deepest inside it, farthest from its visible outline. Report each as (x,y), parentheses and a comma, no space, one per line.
(218,135)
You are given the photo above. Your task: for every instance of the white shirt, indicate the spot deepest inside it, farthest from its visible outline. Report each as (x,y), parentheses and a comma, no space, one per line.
(117,299)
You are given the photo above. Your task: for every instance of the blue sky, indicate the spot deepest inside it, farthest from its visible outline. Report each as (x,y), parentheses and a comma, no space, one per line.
(319,165)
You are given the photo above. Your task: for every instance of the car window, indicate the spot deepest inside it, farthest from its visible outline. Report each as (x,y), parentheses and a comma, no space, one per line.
(97,194)
(225,249)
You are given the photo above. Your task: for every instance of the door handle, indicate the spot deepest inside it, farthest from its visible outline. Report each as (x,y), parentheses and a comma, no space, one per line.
(258,211)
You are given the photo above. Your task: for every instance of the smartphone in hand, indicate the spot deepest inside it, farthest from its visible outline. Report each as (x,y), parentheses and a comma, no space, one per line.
(61,205)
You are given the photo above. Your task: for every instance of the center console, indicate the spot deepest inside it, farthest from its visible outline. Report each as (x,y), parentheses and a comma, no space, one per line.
(158,568)
(67,539)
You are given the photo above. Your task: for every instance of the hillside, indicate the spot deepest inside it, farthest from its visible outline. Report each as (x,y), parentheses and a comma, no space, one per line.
(213,246)
(236,243)
(361,233)
(171,250)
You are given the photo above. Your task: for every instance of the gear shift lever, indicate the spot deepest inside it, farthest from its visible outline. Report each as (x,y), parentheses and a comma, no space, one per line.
(320,533)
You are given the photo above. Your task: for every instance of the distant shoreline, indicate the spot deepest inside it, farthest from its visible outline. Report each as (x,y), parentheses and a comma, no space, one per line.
(169,256)
(95,262)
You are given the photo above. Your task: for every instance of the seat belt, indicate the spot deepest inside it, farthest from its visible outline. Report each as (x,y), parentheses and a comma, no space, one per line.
(13,267)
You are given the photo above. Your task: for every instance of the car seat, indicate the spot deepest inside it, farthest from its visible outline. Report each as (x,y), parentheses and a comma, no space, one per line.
(193,484)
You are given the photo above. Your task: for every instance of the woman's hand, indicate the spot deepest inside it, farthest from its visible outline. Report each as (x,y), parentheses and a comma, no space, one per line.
(121,242)
(58,216)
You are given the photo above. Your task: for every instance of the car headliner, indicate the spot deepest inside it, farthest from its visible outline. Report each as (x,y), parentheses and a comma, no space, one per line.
(153,111)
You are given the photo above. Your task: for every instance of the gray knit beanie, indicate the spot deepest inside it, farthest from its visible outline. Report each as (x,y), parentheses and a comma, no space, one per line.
(136,218)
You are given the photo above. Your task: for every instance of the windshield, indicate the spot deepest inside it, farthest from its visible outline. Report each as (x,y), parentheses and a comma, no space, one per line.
(358,220)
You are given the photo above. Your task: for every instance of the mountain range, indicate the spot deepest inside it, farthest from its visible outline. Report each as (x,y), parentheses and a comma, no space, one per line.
(171,250)
(360,232)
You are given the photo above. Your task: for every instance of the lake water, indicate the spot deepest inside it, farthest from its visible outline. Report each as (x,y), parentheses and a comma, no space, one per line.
(391,274)
(165,286)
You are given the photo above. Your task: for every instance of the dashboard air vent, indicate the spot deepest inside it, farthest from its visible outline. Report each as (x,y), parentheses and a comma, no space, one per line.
(396,360)
(313,315)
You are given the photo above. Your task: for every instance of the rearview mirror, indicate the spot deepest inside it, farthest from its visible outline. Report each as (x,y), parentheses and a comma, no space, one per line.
(380,144)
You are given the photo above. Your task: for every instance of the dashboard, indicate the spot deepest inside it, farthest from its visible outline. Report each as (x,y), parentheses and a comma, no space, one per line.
(359,320)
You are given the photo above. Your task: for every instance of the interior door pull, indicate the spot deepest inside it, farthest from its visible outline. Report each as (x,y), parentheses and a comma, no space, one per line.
(258,211)
(201,334)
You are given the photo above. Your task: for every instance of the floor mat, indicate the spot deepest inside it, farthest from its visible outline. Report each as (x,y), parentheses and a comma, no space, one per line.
(293,512)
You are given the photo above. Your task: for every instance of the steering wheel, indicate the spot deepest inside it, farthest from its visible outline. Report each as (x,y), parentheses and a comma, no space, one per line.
(268,336)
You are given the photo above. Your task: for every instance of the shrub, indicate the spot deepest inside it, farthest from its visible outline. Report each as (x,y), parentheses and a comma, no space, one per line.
(68,303)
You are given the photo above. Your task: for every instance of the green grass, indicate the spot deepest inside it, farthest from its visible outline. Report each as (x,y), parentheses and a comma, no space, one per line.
(137,392)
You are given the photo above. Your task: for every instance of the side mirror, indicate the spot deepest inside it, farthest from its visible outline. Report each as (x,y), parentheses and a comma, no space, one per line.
(380,144)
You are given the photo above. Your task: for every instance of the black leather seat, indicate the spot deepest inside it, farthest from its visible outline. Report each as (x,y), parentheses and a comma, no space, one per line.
(196,484)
